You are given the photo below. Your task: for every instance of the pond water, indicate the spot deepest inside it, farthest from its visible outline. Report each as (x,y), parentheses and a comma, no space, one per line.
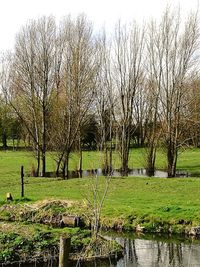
(155,251)
(117,173)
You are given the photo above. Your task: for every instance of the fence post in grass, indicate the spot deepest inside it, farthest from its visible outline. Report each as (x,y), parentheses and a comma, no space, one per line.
(65,243)
(22,181)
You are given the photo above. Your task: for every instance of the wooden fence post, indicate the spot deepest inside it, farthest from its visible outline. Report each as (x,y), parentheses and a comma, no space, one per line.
(22,181)
(65,243)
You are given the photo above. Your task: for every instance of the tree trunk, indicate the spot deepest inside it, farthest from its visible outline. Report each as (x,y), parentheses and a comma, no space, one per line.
(38,163)
(151,156)
(124,158)
(80,163)
(43,163)
(106,166)
(44,141)
(80,157)
(125,144)
(172,160)
(65,167)
(60,159)
(4,139)
(125,162)
(110,159)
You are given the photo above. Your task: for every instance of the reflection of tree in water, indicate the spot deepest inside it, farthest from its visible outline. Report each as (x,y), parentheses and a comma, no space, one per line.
(153,253)
(131,255)
(171,253)
(179,254)
(160,247)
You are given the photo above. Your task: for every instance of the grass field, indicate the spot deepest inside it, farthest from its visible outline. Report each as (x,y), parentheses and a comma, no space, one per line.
(10,161)
(150,199)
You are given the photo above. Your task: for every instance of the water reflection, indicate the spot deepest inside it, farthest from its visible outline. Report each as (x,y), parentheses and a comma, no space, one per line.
(141,252)
(117,173)
(152,253)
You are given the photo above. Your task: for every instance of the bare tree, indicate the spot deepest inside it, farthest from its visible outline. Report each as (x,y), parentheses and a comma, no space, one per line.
(4,82)
(77,84)
(191,134)
(152,93)
(153,131)
(172,52)
(33,80)
(140,109)
(104,102)
(127,69)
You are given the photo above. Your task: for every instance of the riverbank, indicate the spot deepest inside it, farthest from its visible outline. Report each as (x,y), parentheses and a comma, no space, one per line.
(129,201)
(138,249)
(28,243)
(30,230)
(131,204)
(148,205)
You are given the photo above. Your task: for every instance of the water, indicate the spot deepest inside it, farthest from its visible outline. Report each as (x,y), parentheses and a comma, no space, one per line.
(156,252)
(149,253)
(117,173)
(141,251)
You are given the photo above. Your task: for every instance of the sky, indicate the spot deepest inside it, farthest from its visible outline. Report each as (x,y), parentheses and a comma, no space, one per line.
(15,13)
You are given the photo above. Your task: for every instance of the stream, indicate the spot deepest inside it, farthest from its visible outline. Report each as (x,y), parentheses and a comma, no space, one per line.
(140,251)
(154,251)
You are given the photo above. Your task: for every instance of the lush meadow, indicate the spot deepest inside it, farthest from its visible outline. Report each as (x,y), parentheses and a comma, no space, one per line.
(154,204)
(156,199)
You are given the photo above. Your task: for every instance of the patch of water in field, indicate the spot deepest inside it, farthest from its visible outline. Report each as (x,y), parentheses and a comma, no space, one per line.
(117,173)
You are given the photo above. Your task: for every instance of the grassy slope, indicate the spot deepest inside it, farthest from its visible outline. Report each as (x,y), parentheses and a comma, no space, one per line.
(164,199)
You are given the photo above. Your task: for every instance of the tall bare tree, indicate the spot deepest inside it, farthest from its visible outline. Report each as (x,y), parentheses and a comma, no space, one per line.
(172,54)
(33,81)
(192,112)
(104,101)
(5,63)
(78,77)
(127,70)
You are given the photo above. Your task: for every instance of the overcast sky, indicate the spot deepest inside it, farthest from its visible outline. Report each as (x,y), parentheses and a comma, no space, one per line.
(15,13)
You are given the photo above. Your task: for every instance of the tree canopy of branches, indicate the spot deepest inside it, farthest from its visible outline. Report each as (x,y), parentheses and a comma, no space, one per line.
(78,71)
(63,82)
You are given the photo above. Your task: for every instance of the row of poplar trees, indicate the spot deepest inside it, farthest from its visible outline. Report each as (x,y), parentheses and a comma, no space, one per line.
(141,79)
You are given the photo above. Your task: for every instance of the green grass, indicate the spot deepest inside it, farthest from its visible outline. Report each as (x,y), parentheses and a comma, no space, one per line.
(188,160)
(10,161)
(157,204)
(149,199)
(155,199)
(19,240)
